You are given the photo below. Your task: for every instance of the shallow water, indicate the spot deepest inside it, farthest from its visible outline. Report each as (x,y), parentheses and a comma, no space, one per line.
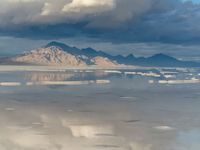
(121,111)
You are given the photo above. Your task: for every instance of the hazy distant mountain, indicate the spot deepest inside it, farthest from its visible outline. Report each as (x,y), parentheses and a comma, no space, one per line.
(158,60)
(56,53)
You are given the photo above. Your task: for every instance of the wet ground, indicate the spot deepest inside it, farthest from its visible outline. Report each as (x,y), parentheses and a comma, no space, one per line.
(97,110)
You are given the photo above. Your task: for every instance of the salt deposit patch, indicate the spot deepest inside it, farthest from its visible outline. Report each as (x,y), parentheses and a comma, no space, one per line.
(191,81)
(148,74)
(59,83)
(113,71)
(127,97)
(169,76)
(10,83)
(102,81)
(163,128)
(89,71)
(68,82)
(10,109)
(151,81)
(168,72)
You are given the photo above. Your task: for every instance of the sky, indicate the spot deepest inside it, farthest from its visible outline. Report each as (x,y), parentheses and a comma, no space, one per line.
(141,27)
(194,1)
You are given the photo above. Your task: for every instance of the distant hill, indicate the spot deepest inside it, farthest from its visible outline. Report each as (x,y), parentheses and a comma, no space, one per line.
(56,53)
(157,60)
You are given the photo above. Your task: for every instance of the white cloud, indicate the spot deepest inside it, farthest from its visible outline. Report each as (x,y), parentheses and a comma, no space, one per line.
(81,5)
(39,12)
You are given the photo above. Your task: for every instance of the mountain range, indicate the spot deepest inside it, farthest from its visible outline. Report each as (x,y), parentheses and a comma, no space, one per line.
(56,53)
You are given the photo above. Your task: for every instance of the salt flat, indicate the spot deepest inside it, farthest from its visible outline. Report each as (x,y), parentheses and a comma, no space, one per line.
(97,110)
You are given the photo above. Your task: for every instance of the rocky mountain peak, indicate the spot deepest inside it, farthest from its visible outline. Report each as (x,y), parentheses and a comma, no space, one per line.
(49,56)
(55,55)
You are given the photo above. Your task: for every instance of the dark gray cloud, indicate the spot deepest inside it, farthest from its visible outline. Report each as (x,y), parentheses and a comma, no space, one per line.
(117,21)
(16,13)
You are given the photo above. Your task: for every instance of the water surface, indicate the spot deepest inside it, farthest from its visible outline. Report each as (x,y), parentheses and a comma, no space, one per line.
(105,109)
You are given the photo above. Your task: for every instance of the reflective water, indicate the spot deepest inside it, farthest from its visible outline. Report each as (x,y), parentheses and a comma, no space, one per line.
(122,111)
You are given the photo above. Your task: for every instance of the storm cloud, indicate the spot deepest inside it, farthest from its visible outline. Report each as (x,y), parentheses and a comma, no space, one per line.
(45,12)
(117,21)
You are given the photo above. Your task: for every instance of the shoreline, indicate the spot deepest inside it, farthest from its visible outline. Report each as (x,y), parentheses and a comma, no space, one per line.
(11,68)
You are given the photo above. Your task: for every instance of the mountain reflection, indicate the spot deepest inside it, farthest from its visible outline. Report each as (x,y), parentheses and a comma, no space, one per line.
(48,76)
(64,76)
